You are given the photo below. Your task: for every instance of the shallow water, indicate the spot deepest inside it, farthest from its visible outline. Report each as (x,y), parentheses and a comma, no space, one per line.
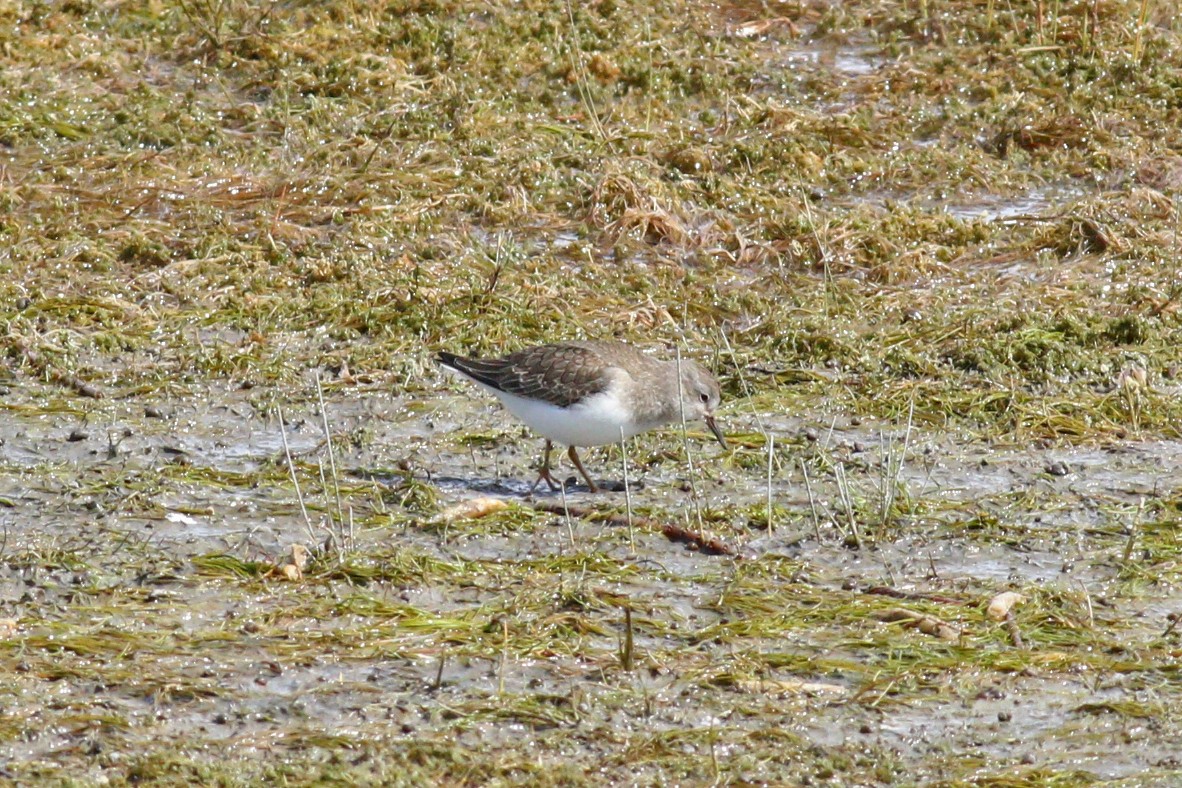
(211,477)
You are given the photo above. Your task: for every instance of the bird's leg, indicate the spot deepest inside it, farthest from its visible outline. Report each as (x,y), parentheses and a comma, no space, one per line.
(574,457)
(544,471)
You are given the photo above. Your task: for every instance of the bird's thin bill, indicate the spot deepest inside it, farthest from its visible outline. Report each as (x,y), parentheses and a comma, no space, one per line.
(717,432)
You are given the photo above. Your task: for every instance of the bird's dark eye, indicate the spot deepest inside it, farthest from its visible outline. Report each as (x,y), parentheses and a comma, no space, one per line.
(705,397)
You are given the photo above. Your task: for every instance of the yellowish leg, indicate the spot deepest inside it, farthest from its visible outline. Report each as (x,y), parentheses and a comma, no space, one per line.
(544,471)
(574,457)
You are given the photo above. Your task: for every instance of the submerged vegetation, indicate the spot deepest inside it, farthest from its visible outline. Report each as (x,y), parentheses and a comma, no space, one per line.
(931,248)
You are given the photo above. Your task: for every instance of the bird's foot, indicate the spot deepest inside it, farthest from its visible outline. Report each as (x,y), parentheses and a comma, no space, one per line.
(544,475)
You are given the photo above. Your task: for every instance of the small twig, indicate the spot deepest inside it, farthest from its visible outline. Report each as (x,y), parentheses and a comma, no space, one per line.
(627,492)
(808,486)
(689,459)
(771,449)
(1131,541)
(893,468)
(1138,40)
(674,533)
(895,593)
(847,502)
(627,657)
(332,462)
(570,528)
(581,81)
(1088,604)
(933,574)
(295,480)
(929,625)
(504,656)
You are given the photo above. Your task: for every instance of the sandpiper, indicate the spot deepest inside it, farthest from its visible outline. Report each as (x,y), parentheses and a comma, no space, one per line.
(592,393)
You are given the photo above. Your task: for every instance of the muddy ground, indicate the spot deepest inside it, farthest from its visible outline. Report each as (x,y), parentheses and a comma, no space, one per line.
(144,629)
(930,250)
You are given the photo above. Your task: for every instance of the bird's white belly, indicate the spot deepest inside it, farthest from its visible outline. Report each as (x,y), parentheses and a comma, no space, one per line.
(595,421)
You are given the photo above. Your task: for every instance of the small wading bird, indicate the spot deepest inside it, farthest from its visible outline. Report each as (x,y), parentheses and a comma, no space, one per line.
(592,393)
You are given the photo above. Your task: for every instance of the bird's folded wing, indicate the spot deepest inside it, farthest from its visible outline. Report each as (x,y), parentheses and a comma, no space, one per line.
(559,374)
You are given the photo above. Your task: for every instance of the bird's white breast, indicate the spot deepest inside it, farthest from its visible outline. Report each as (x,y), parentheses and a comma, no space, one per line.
(597,420)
